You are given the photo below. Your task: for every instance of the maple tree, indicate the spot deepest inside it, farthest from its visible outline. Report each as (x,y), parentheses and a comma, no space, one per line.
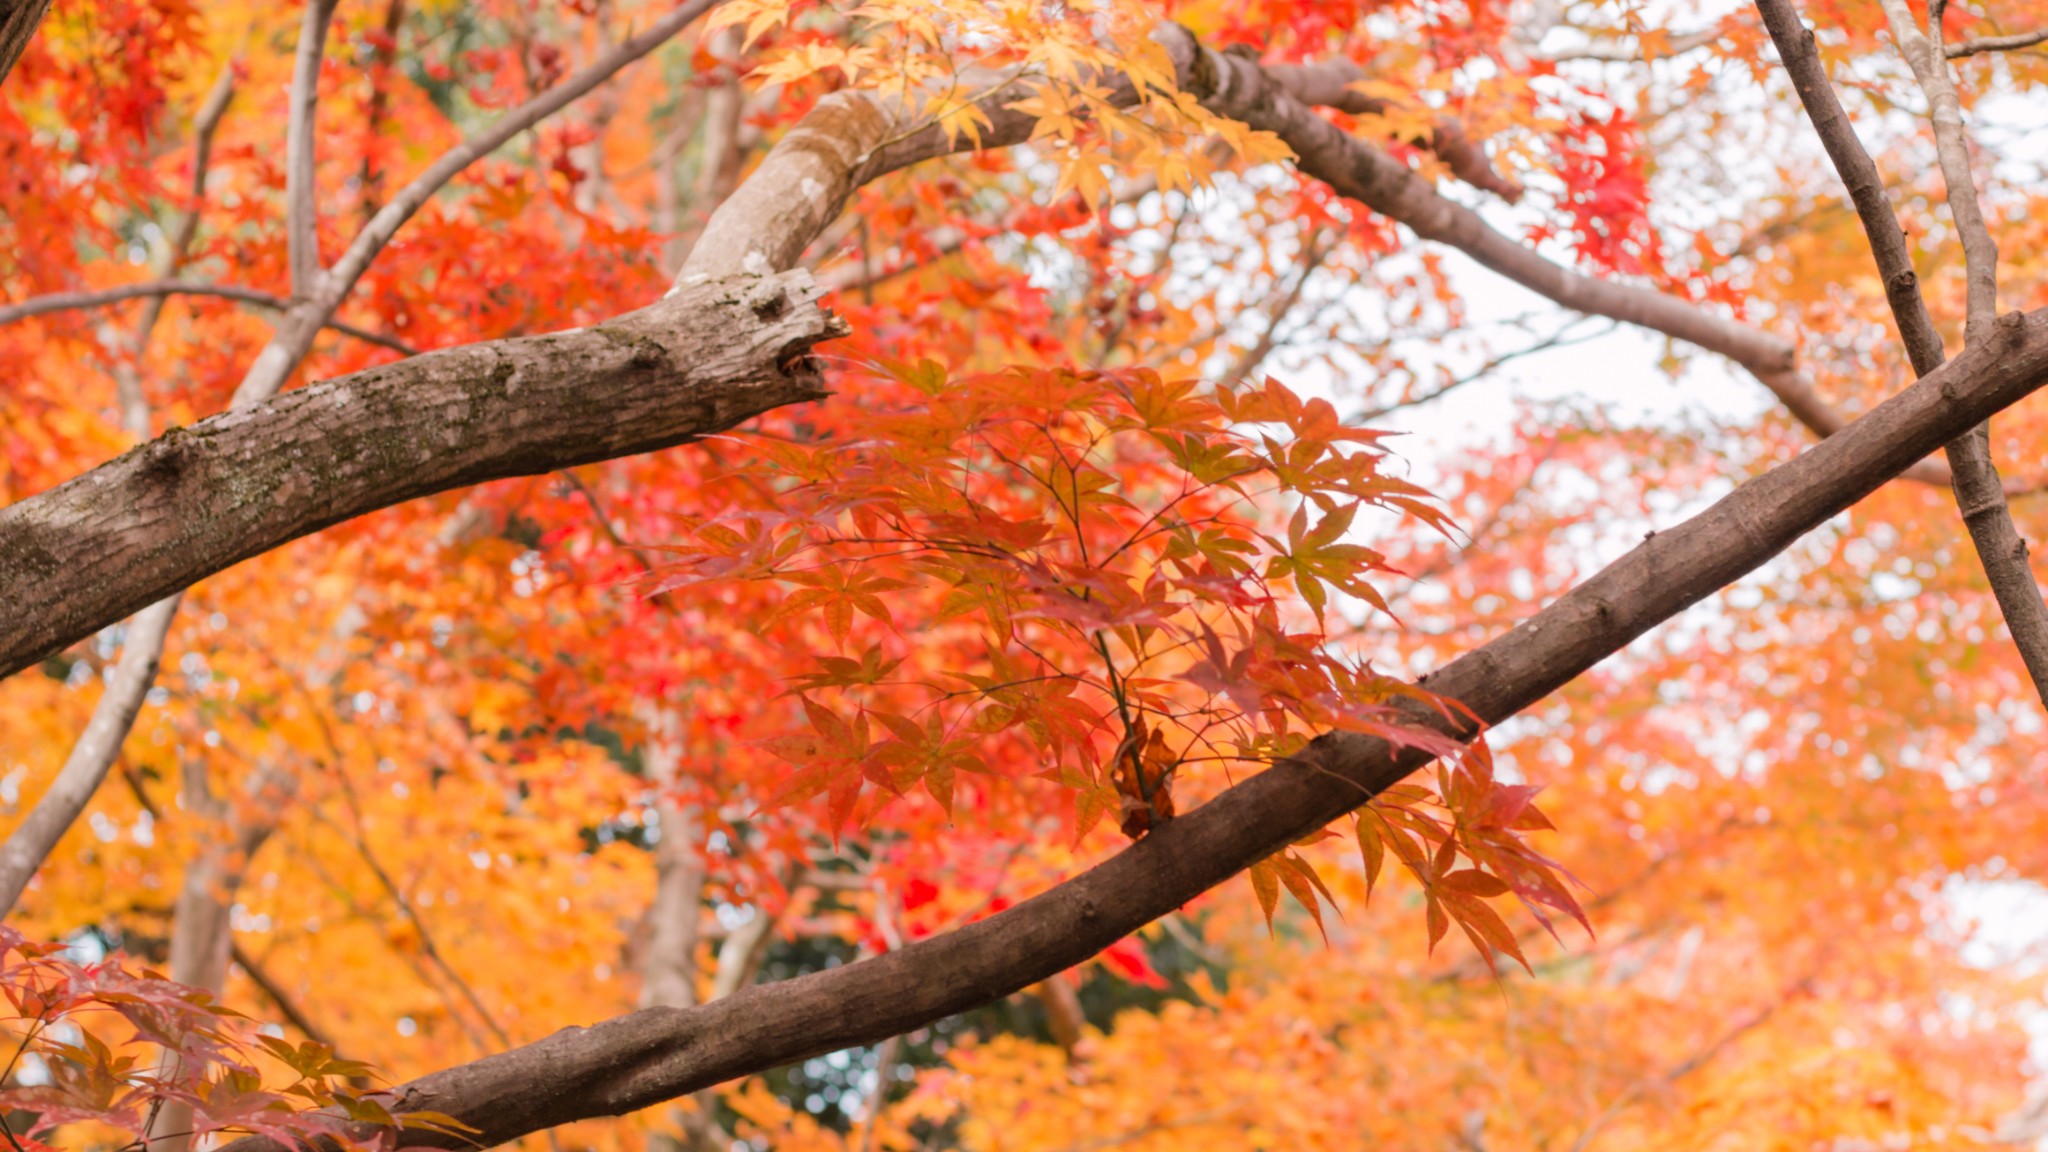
(661,575)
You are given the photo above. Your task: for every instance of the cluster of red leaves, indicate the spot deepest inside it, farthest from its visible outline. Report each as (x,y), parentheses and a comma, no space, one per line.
(1607,195)
(184,1048)
(1085,578)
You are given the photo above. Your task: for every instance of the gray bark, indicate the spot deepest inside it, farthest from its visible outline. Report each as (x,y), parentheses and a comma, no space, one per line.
(196,500)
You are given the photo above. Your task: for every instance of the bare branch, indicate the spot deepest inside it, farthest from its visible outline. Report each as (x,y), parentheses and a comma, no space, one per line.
(287,1005)
(295,331)
(1329,85)
(160,289)
(657,1054)
(99,746)
(1860,177)
(1979,493)
(302,213)
(1677,45)
(204,125)
(370,174)
(1996,44)
(1952,147)
(1235,87)
(95,751)
(1317,249)
(1693,1063)
(668,974)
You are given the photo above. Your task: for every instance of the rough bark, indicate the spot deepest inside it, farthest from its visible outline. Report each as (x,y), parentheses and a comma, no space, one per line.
(657,1054)
(765,225)
(196,500)
(18,21)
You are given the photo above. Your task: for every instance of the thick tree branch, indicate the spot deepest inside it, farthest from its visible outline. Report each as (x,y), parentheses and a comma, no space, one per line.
(1979,493)
(390,454)
(657,1054)
(194,501)
(158,290)
(18,21)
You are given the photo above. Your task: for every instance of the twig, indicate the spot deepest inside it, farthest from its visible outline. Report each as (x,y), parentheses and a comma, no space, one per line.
(158,290)
(1694,1062)
(360,841)
(1562,338)
(1314,251)
(1996,44)
(295,331)
(1615,54)
(275,993)
(370,173)
(204,126)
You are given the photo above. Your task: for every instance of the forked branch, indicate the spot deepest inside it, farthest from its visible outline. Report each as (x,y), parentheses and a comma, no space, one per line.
(1979,494)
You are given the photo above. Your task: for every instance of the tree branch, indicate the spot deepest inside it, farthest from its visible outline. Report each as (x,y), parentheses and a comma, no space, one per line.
(295,331)
(134,408)
(1979,493)
(193,501)
(1996,44)
(94,752)
(302,213)
(1677,45)
(1329,85)
(1238,88)
(1317,249)
(274,992)
(161,289)
(18,20)
(656,1054)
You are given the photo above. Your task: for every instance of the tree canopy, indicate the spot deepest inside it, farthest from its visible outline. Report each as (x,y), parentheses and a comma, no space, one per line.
(1004,575)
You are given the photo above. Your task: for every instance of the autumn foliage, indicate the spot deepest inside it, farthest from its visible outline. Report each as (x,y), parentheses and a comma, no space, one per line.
(1150,458)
